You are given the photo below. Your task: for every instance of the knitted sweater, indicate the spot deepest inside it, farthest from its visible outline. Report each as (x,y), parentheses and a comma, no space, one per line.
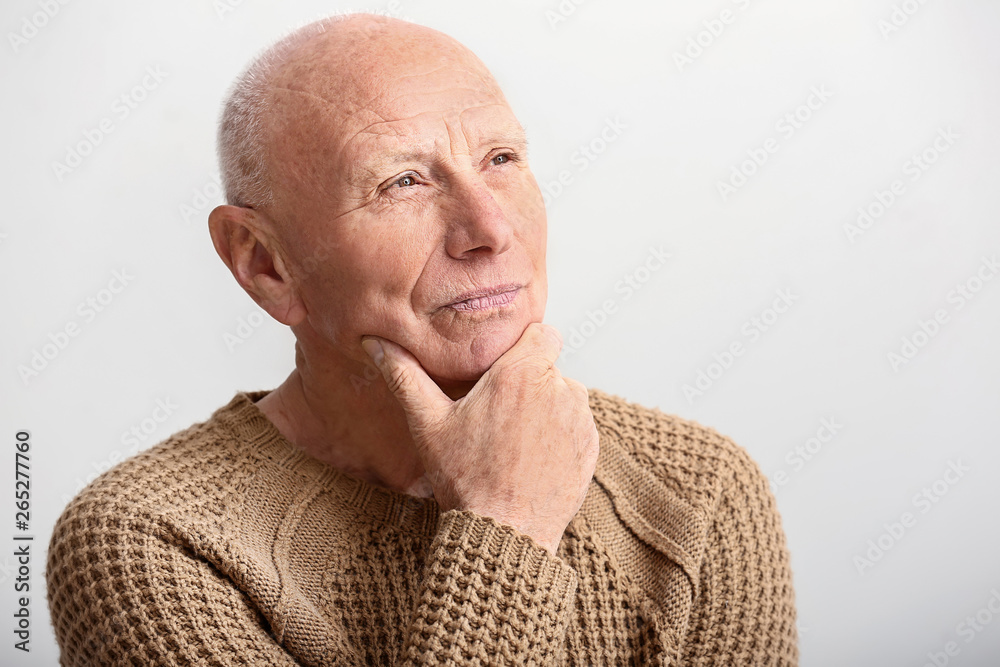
(227,545)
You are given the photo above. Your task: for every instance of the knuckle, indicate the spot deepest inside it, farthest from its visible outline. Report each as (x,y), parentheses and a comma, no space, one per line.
(525,375)
(555,334)
(578,388)
(539,332)
(397,379)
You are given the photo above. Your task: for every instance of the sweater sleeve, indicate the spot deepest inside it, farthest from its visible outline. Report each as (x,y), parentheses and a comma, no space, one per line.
(744,613)
(490,596)
(122,592)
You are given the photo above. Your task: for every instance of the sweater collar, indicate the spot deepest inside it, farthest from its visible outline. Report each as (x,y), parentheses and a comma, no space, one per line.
(257,436)
(657,515)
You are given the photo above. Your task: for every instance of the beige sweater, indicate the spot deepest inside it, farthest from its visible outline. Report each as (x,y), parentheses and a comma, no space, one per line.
(226,545)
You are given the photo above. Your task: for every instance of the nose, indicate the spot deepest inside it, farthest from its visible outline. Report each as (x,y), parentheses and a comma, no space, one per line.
(478,225)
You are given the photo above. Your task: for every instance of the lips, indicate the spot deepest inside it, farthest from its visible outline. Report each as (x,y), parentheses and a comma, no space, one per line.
(492,297)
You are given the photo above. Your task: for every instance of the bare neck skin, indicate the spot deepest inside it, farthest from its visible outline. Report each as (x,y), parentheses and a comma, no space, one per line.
(354,426)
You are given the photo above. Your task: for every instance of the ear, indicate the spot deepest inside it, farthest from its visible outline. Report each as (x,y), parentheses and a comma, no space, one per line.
(243,239)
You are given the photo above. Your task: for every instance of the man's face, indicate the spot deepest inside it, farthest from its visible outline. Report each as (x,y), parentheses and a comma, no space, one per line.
(406,191)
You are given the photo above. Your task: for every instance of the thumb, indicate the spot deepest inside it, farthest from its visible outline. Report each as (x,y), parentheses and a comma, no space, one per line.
(421,398)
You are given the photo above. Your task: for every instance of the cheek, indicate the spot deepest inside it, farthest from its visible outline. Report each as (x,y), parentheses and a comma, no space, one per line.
(367,287)
(528,201)
(534,227)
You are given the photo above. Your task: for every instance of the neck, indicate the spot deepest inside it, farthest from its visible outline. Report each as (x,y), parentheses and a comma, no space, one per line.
(340,411)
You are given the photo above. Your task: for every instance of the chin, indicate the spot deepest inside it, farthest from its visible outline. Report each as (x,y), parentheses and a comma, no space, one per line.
(467,361)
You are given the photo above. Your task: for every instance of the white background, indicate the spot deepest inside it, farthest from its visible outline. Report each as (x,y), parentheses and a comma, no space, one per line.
(683,127)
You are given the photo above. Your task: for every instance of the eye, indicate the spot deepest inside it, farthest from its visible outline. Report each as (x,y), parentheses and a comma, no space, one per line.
(503,158)
(404,181)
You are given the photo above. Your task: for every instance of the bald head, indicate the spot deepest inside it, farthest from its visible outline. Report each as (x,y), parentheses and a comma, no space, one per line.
(321,73)
(377,180)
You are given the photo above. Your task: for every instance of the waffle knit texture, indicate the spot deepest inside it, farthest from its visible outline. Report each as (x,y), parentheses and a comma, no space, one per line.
(226,545)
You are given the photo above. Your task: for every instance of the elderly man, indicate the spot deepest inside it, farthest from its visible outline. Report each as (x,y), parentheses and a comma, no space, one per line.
(475,507)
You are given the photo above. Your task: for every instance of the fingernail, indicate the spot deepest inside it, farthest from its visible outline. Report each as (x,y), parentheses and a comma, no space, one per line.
(374,350)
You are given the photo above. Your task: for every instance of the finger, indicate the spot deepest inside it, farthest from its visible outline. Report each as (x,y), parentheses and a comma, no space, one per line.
(540,341)
(421,398)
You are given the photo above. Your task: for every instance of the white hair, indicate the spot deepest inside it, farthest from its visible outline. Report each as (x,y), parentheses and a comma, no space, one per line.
(242,147)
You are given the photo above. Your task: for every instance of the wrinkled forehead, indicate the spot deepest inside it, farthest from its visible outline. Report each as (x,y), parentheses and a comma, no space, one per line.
(458,114)
(391,102)
(341,104)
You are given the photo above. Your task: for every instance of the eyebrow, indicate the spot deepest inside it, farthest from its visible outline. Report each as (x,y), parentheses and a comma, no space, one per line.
(515,136)
(512,134)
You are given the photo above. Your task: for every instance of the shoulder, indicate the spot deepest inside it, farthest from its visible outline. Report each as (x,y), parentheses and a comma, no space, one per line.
(190,476)
(695,461)
(687,491)
(158,542)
